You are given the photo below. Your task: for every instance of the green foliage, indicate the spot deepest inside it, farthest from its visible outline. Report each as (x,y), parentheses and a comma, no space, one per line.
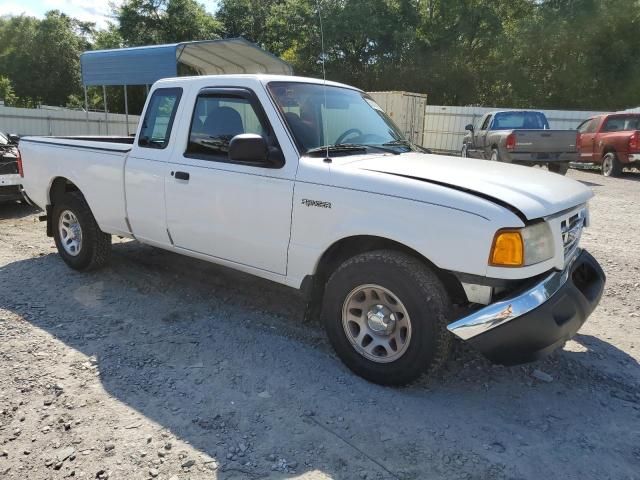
(151,22)
(41,57)
(7,95)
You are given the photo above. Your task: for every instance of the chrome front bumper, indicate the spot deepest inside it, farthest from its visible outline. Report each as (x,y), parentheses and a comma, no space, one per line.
(538,318)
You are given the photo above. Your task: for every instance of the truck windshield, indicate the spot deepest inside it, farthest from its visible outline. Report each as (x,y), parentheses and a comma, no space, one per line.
(321,116)
(525,120)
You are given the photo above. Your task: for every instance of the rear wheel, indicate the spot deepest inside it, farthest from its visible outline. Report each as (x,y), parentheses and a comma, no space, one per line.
(611,166)
(386,314)
(495,155)
(463,152)
(80,242)
(560,168)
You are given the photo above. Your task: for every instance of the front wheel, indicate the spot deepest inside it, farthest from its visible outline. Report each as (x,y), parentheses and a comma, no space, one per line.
(463,152)
(386,315)
(80,242)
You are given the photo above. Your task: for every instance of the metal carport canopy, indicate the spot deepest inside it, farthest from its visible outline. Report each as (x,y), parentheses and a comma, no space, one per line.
(145,65)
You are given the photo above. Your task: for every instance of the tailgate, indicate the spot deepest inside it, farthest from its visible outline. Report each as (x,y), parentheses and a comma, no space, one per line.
(545,141)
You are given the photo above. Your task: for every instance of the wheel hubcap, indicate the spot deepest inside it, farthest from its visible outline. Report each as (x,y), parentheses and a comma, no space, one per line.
(606,165)
(70,232)
(381,320)
(376,323)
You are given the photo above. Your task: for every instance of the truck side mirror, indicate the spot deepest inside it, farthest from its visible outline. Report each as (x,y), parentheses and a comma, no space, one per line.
(253,148)
(13,138)
(248,147)
(469,127)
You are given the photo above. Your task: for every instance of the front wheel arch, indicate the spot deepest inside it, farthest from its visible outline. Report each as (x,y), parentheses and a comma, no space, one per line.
(341,250)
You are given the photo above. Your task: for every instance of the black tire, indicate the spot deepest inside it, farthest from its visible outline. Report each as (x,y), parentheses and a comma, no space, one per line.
(95,248)
(421,293)
(611,166)
(559,168)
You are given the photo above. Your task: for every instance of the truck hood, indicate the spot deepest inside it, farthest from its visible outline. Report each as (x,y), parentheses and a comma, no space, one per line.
(533,192)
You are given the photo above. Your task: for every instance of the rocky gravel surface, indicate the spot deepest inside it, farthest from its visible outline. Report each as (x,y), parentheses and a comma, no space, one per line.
(163,367)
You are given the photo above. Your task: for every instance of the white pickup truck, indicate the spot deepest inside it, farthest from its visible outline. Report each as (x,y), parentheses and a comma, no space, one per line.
(309,184)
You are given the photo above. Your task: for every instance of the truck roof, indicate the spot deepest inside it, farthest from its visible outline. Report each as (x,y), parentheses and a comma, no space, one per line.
(494,112)
(262,78)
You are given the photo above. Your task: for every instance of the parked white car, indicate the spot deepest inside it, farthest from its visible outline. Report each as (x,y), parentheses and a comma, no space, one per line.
(311,185)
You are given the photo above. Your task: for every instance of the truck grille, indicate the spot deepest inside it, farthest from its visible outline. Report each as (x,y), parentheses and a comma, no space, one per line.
(571,228)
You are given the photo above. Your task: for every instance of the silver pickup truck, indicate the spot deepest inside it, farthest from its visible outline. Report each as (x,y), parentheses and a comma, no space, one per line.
(522,137)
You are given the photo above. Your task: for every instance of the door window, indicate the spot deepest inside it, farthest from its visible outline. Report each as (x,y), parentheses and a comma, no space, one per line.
(588,126)
(485,124)
(158,119)
(217,118)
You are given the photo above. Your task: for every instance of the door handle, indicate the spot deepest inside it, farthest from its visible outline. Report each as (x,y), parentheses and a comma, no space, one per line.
(182,175)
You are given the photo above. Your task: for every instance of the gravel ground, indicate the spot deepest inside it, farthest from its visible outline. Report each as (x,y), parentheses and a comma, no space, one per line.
(165,367)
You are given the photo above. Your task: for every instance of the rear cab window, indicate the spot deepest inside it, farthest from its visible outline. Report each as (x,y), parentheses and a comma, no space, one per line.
(159,117)
(522,120)
(621,123)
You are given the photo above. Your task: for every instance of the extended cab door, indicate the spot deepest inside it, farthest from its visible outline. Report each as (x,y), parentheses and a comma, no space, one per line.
(587,139)
(144,173)
(238,212)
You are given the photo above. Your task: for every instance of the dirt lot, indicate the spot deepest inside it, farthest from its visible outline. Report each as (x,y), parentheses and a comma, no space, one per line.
(164,367)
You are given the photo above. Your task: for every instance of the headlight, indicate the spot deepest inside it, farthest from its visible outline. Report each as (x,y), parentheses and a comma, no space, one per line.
(522,246)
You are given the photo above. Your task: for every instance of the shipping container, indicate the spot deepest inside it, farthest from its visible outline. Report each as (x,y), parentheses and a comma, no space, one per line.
(407,110)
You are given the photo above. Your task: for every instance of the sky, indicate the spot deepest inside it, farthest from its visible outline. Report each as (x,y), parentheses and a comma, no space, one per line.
(97,11)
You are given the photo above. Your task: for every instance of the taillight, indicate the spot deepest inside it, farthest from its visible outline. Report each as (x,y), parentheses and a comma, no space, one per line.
(19,161)
(634,142)
(511,141)
(578,141)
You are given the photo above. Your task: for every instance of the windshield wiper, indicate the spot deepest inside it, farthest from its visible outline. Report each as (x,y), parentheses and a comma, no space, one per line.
(349,147)
(402,142)
(409,144)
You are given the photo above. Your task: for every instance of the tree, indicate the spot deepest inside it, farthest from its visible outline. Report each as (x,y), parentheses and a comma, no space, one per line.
(7,95)
(41,57)
(152,22)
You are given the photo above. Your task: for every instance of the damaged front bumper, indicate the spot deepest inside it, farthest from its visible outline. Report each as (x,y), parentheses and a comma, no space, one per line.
(538,318)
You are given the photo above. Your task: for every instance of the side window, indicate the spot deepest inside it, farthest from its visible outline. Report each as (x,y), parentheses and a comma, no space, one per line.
(582,128)
(593,125)
(485,124)
(158,119)
(217,118)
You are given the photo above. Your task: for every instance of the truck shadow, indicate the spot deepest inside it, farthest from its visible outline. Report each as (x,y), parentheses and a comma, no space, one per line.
(216,356)
(15,210)
(632,175)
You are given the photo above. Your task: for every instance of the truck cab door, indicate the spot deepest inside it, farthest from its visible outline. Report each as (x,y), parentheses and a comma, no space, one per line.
(144,169)
(237,212)
(481,136)
(587,140)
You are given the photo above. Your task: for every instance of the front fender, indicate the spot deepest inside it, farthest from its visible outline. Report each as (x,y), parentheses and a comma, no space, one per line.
(451,239)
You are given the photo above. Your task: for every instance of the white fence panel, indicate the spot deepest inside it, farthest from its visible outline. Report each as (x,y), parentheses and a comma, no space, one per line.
(444,126)
(41,121)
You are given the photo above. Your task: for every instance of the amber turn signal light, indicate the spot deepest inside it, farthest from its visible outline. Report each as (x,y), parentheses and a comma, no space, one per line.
(507,249)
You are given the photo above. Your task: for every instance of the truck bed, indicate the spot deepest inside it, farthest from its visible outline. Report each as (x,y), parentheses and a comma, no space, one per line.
(95,165)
